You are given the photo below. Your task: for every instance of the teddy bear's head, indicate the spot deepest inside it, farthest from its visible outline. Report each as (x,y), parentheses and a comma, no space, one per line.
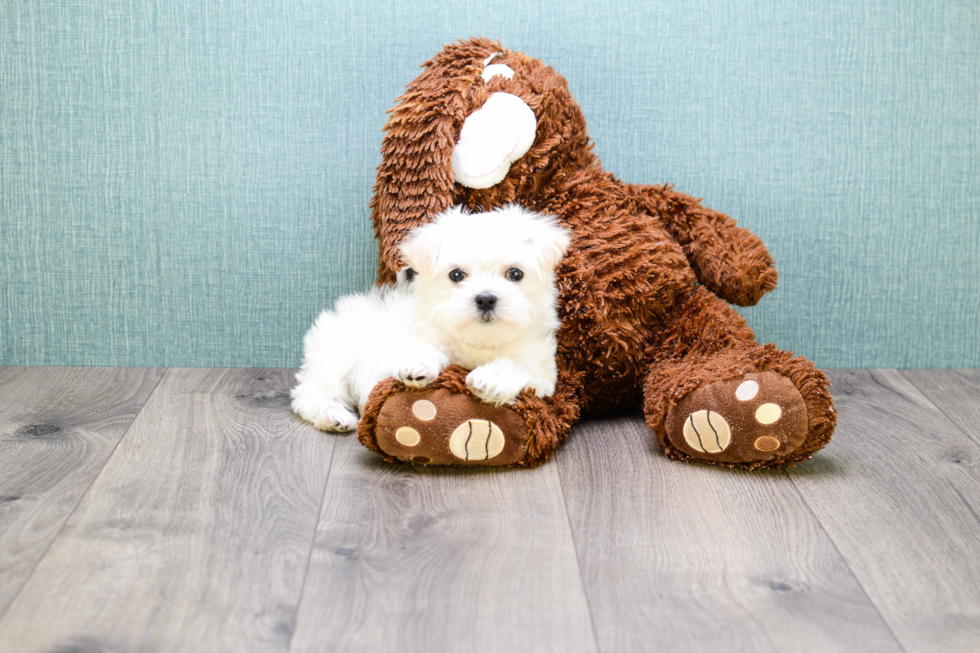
(481,126)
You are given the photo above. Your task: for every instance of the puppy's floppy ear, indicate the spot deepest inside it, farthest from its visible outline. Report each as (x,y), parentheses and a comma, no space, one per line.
(549,240)
(420,250)
(415,178)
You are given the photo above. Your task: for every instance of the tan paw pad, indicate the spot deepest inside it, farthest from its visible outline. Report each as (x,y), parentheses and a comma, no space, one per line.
(408,436)
(768,413)
(476,439)
(707,432)
(766,443)
(424,410)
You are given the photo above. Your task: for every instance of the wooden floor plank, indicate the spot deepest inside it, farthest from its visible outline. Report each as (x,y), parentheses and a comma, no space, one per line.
(196,534)
(441,559)
(58,427)
(898,491)
(955,392)
(685,557)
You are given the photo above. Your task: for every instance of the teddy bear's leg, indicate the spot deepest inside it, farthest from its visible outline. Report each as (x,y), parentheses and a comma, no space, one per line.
(713,394)
(444,424)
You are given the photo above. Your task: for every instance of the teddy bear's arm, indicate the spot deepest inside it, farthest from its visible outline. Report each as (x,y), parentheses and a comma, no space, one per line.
(729,260)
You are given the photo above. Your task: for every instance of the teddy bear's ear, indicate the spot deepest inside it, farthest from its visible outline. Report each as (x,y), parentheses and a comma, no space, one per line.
(415,178)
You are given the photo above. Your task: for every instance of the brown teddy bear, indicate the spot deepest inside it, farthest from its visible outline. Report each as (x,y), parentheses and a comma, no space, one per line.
(643,290)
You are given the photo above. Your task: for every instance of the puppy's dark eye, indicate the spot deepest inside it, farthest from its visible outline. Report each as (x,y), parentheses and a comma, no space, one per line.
(514,274)
(457,275)
(410,274)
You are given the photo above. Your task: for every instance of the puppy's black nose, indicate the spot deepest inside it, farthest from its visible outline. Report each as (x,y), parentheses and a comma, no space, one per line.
(485,302)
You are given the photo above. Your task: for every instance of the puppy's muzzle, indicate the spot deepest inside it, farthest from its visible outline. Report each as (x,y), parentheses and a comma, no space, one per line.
(485,303)
(492,138)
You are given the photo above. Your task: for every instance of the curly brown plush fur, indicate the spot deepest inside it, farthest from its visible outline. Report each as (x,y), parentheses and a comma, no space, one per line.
(644,286)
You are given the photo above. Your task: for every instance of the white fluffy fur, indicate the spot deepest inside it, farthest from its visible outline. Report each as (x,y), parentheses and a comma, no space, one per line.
(415,329)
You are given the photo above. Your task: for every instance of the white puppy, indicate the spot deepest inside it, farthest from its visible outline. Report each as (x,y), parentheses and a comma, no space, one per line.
(478,291)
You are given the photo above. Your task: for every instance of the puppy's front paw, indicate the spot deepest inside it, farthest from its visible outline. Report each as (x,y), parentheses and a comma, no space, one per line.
(336,418)
(325,414)
(498,382)
(421,367)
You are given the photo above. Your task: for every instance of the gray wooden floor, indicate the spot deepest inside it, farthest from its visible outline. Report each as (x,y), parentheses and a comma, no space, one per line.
(187,509)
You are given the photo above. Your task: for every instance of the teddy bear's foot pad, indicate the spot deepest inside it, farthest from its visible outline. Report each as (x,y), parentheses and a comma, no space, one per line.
(751,418)
(438,427)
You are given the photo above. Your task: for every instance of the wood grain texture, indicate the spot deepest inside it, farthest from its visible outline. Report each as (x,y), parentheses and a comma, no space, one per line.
(58,426)
(898,492)
(955,392)
(682,557)
(199,529)
(197,532)
(441,559)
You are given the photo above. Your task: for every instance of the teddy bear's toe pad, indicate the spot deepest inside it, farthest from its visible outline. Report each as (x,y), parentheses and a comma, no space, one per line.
(753,417)
(438,427)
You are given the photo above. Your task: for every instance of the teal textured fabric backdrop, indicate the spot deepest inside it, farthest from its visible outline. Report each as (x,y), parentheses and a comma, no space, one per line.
(186,182)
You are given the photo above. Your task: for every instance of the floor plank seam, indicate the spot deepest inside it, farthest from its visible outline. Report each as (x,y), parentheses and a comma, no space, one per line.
(81,498)
(942,412)
(857,579)
(316,527)
(578,562)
